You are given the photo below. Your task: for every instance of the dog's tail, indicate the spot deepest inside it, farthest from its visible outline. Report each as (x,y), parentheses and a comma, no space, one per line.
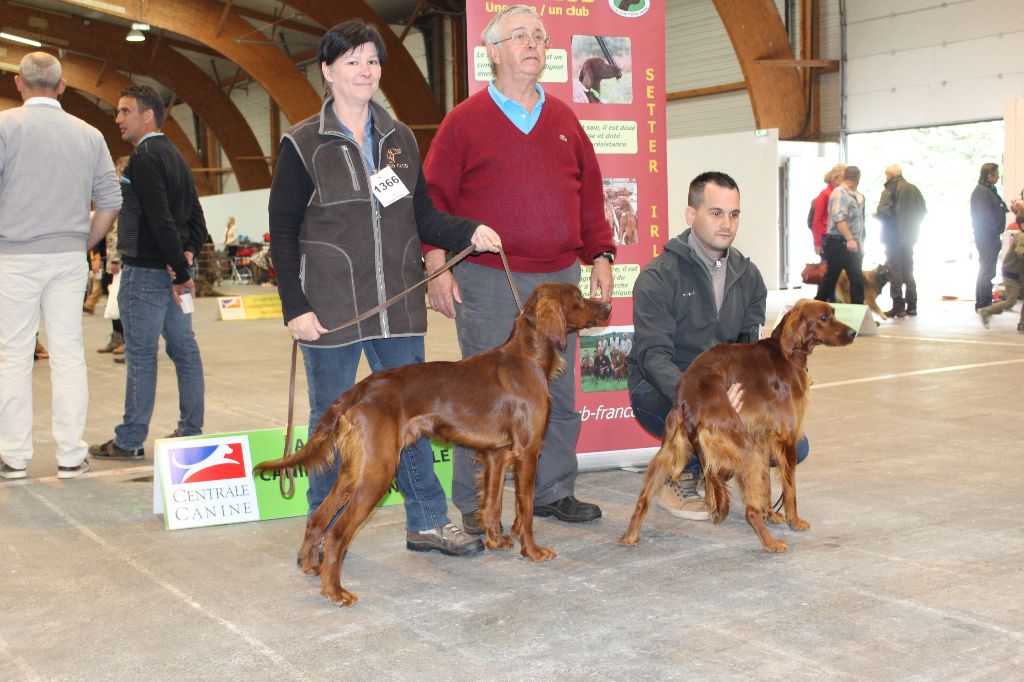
(319,452)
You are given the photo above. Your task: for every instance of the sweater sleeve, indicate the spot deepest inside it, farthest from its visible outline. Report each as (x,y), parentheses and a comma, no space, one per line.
(436,228)
(753,316)
(595,232)
(289,194)
(148,181)
(820,217)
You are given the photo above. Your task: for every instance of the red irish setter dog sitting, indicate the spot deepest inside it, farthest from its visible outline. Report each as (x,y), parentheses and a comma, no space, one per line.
(773,374)
(496,402)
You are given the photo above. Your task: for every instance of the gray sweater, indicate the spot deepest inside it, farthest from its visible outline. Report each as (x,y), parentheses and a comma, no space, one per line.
(52,167)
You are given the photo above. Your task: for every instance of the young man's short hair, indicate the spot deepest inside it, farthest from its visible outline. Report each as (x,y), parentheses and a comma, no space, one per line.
(148,100)
(696,195)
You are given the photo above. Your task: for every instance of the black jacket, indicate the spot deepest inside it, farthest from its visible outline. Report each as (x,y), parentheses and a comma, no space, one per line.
(988,211)
(160,215)
(674,317)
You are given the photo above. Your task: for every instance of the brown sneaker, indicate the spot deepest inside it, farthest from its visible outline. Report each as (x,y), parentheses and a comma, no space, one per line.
(116,341)
(448,539)
(110,450)
(680,499)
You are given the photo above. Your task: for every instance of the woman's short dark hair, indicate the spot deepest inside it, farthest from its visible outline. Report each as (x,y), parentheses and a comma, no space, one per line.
(347,36)
(987,169)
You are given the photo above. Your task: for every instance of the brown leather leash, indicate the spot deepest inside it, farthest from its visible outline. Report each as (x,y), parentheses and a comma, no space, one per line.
(288,474)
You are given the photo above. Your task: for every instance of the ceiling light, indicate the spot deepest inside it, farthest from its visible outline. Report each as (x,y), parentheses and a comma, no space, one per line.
(19,39)
(140,27)
(135,36)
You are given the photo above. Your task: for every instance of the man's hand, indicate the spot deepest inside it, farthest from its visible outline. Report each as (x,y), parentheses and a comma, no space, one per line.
(735,394)
(486,239)
(189,258)
(443,290)
(306,327)
(601,279)
(178,289)
(851,245)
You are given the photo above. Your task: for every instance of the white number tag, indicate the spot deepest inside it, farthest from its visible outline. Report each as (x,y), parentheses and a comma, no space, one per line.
(387,187)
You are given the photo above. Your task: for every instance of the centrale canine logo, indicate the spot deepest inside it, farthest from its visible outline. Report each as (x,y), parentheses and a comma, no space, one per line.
(198,464)
(393,153)
(630,8)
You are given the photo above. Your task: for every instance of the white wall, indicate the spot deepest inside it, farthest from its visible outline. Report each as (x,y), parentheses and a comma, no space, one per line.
(753,162)
(248,208)
(920,62)
(1013,158)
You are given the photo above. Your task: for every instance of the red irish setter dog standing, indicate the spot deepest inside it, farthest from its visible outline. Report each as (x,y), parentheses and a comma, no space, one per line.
(496,402)
(773,373)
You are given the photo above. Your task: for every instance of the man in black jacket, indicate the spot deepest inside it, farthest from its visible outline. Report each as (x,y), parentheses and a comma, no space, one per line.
(700,292)
(160,231)
(988,215)
(901,208)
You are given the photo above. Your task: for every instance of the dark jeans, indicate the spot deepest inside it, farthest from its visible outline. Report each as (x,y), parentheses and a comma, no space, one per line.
(651,409)
(899,256)
(988,253)
(839,258)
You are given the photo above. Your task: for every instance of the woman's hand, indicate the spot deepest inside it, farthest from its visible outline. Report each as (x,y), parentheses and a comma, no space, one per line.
(306,327)
(486,239)
(735,394)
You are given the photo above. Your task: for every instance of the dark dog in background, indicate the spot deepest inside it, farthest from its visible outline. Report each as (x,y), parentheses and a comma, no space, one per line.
(495,402)
(773,374)
(874,281)
(593,71)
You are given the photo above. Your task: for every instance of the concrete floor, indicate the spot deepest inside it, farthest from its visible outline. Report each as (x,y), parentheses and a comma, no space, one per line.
(912,569)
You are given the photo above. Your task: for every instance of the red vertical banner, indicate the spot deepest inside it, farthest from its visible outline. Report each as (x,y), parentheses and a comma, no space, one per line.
(607,61)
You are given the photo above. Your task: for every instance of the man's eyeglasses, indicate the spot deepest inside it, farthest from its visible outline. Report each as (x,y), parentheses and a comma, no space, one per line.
(522,37)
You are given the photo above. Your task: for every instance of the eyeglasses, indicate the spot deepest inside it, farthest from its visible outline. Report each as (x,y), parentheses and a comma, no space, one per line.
(523,37)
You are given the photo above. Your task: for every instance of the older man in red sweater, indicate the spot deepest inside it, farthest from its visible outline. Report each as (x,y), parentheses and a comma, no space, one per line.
(520,161)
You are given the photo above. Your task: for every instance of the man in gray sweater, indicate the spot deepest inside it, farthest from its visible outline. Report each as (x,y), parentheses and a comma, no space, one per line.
(52,167)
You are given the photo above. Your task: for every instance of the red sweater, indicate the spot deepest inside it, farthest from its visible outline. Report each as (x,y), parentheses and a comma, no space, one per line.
(541,192)
(820,225)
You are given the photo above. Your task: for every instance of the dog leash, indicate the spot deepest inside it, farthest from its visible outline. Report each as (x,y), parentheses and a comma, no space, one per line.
(288,474)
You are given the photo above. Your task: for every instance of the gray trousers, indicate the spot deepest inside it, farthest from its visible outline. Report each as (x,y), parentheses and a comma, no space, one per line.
(483,321)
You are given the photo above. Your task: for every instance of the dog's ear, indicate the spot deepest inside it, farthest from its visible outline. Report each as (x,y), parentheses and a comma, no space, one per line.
(550,320)
(795,330)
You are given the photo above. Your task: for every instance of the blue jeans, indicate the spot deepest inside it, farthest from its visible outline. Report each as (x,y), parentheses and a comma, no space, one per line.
(651,409)
(148,311)
(332,371)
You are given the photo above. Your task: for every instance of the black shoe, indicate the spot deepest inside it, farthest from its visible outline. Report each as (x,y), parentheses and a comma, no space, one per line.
(109,450)
(471,524)
(897,313)
(911,312)
(569,509)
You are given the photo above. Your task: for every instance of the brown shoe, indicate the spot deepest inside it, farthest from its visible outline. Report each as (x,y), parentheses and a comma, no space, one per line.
(116,341)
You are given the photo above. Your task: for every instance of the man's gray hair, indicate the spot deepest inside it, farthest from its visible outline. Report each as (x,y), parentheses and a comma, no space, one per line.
(40,71)
(491,34)
(893,170)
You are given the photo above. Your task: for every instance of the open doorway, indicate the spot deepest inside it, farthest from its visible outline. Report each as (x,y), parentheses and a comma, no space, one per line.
(943,161)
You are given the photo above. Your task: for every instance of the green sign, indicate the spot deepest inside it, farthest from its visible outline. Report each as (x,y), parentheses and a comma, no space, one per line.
(268,444)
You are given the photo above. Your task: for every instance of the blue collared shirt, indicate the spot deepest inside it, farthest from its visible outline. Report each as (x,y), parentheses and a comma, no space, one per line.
(367,148)
(516,112)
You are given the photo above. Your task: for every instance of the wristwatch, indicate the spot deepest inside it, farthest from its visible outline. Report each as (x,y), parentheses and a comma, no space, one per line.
(607,255)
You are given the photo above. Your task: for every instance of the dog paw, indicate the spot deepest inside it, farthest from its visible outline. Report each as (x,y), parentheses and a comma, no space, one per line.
(540,554)
(499,542)
(341,597)
(630,538)
(776,546)
(775,517)
(800,524)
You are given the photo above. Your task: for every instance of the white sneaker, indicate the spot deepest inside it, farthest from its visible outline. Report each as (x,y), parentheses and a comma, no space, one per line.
(73,472)
(679,498)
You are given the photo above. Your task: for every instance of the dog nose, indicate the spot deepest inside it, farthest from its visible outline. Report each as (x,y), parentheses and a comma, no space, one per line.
(851,334)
